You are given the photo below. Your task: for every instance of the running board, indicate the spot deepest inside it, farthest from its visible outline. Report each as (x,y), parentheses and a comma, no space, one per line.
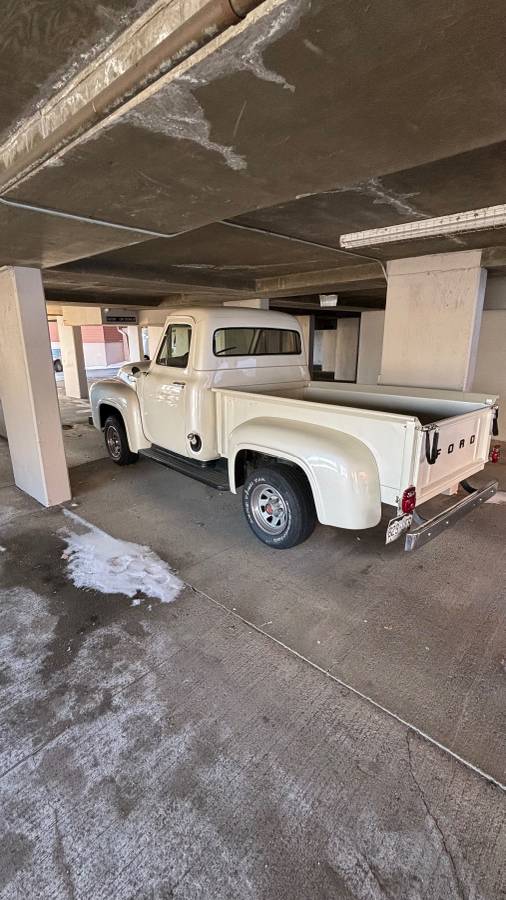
(214,474)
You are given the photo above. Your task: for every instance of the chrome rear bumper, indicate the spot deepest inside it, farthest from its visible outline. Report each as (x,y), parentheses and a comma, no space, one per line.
(432,527)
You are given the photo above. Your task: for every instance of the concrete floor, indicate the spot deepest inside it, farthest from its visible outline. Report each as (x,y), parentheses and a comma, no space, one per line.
(207,748)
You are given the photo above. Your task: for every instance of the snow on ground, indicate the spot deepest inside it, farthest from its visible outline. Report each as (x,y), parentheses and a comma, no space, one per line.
(100,562)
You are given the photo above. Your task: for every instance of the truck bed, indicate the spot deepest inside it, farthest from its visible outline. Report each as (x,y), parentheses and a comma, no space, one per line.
(391,421)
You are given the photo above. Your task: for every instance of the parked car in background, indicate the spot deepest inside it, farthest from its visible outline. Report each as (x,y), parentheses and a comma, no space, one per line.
(57,363)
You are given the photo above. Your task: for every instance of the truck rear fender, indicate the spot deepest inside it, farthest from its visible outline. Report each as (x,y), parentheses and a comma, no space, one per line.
(341,470)
(114,395)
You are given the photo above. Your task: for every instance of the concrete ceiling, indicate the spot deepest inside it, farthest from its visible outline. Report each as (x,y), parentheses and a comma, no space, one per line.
(304,121)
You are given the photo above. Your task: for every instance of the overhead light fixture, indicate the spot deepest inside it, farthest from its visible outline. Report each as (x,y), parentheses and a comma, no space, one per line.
(327,300)
(471,220)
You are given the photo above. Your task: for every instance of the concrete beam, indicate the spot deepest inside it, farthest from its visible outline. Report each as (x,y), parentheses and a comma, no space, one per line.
(131,282)
(253,303)
(81,315)
(354,277)
(28,390)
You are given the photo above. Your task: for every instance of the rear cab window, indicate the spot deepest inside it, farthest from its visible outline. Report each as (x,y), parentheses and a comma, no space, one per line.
(256,342)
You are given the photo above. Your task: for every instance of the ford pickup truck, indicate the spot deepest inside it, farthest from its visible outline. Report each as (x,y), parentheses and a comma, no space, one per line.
(228,399)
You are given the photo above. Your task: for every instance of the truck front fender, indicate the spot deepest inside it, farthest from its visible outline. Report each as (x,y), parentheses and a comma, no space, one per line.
(341,470)
(120,396)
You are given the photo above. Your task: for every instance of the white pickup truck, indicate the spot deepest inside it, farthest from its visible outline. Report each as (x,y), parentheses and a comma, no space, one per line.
(228,399)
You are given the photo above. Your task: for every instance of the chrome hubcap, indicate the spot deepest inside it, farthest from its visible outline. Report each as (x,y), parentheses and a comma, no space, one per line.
(268,509)
(113,442)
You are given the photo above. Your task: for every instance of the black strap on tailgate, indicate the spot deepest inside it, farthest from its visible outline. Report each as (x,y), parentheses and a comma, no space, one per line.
(431,452)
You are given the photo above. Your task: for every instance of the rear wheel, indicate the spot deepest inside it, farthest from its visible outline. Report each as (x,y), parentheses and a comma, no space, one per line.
(116,442)
(279,506)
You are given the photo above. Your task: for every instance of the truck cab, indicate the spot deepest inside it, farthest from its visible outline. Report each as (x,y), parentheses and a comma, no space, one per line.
(202,349)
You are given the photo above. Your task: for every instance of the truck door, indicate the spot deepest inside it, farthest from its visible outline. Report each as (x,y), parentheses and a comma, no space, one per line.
(164,390)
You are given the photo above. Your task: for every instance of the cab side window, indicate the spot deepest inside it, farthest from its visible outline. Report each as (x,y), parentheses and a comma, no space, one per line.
(175,348)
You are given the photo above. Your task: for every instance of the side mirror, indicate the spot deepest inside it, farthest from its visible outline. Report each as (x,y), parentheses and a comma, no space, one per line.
(135,370)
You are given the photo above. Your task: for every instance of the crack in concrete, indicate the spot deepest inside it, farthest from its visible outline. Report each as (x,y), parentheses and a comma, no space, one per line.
(380,195)
(435,821)
(59,853)
(399,202)
(373,188)
(349,687)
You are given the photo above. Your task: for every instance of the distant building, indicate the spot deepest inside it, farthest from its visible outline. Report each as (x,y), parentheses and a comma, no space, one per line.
(103,345)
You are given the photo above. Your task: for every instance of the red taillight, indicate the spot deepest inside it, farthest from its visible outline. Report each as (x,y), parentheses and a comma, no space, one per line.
(495,453)
(408,502)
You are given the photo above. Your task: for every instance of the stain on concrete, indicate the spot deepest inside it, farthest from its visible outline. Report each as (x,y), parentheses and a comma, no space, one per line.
(175,111)
(15,853)
(195,759)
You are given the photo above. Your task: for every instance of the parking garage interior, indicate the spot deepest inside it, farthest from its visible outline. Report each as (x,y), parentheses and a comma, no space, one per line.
(326,721)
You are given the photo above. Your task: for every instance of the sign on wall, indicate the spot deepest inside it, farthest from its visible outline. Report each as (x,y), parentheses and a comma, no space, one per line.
(117,316)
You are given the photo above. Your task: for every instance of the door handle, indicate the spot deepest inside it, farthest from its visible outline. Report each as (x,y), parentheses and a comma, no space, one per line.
(180,384)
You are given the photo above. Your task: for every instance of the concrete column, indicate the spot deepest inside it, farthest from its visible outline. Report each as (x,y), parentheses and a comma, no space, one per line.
(372,324)
(136,350)
(307,328)
(432,320)
(490,375)
(72,357)
(329,339)
(28,390)
(154,333)
(345,365)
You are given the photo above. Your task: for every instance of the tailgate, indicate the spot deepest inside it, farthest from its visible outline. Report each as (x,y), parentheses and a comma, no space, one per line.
(462,443)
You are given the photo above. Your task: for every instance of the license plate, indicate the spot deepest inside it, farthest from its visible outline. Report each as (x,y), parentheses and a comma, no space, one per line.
(397,526)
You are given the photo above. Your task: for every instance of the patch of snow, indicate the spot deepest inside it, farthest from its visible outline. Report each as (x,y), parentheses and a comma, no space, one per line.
(100,562)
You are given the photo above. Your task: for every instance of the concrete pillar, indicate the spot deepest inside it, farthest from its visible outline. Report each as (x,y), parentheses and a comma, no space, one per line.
(154,333)
(329,338)
(490,375)
(72,357)
(432,320)
(345,365)
(307,328)
(135,347)
(28,389)
(372,324)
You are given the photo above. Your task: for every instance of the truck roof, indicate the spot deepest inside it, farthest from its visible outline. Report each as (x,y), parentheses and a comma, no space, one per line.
(237,316)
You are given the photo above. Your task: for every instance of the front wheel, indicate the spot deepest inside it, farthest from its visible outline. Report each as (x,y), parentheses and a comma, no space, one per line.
(116,442)
(278,505)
